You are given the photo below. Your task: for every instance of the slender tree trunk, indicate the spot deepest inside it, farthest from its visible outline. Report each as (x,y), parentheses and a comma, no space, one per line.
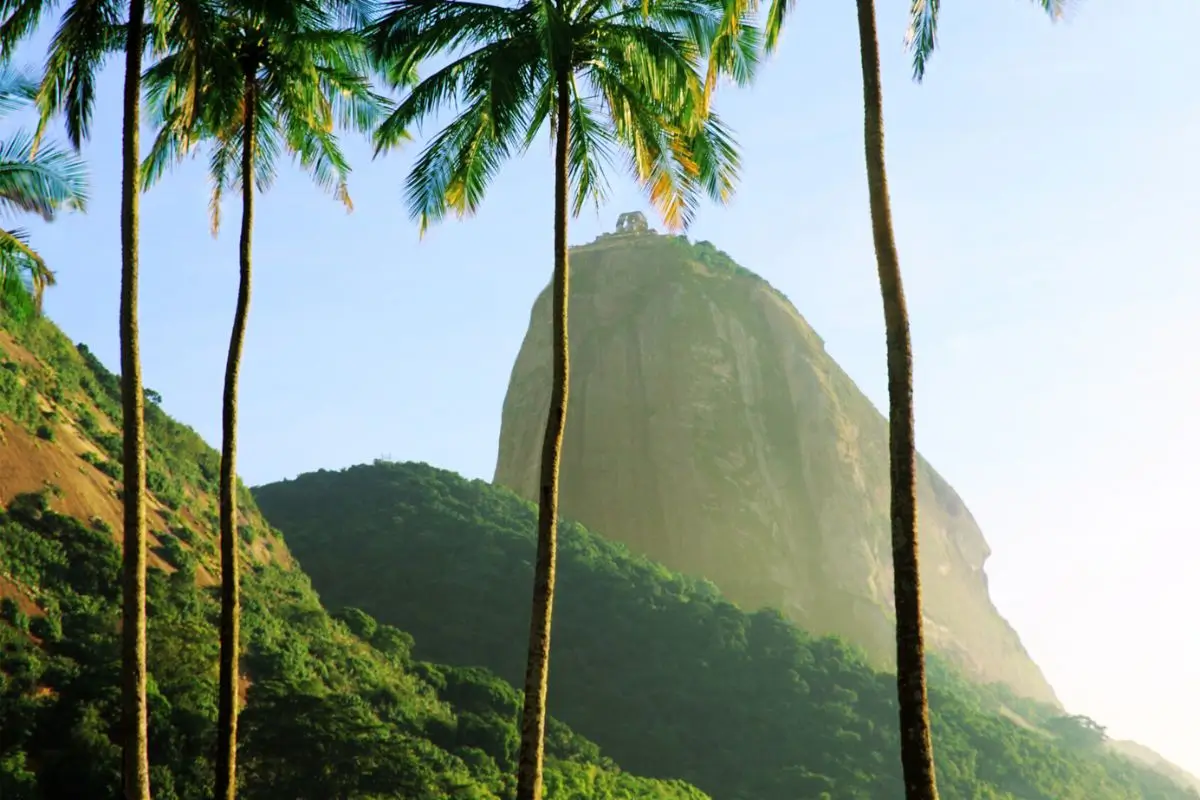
(227,709)
(916,744)
(537,668)
(134,714)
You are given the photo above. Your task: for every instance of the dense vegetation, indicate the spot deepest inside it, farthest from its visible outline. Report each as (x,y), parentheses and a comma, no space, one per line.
(668,678)
(336,707)
(252,76)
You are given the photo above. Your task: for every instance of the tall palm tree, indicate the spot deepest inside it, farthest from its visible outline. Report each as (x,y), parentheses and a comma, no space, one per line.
(605,75)
(916,743)
(278,75)
(88,32)
(34,181)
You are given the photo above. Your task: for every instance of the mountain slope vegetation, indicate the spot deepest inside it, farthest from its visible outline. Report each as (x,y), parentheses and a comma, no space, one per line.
(659,669)
(337,707)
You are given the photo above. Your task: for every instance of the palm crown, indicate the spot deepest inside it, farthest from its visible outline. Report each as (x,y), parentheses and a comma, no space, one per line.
(633,70)
(35,181)
(303,76)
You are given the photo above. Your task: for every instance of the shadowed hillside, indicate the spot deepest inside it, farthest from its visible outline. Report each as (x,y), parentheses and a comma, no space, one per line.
(337,707)
(659,669)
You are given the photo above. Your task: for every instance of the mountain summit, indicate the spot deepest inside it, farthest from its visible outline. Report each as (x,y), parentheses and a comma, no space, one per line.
(709,430)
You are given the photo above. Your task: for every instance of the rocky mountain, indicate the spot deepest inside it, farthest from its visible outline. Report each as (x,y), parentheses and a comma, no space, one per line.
(710,430)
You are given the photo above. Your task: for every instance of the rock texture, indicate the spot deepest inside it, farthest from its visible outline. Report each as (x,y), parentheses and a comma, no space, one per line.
(709,430)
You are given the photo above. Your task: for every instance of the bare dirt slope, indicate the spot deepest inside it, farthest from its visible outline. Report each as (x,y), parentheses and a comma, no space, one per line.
(60,434)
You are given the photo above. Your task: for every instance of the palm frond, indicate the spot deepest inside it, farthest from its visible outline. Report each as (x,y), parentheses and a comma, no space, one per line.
(222,172)
(541,112)
(777,14)
(172,105)
(40,182)
(21,18)
(660,68)
(17,88)
(21,263)
(921,36)
(589,154)
(269,144)
(641,132)
(444,86)
(171,144)
(87,33)
(409,31)
(713,153)
(308,77)
(642,63)
(454,170)
(734,48)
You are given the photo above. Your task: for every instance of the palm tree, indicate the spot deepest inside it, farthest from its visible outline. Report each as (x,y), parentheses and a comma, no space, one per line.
(916,743)
(278,75)
(605,75)
(36,182)
(88,33)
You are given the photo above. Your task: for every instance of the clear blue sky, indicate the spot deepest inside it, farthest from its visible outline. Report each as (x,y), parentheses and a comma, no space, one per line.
(1046,186)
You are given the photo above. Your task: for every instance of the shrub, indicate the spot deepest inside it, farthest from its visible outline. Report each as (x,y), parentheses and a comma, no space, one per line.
(46,628)
(12,613)
(184,534)
(174,552)
(360,623)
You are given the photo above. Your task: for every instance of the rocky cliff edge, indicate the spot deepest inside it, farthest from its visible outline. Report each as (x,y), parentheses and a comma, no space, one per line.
(709,430)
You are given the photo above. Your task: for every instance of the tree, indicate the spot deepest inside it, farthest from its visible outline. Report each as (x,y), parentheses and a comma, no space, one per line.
(32,181)
(89,31)
(605,75)
(916,744)
(276,75)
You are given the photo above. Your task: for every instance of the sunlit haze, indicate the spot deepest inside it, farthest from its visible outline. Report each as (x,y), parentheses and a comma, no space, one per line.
(1046,186)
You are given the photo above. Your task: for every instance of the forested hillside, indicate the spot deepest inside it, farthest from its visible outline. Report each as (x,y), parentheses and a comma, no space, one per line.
(337,707)
(668,677)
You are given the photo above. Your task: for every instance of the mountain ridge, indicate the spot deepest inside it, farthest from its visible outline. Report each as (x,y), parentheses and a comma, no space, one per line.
(743,453)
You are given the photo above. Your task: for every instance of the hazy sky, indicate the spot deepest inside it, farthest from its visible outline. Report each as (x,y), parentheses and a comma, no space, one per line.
(1046,187)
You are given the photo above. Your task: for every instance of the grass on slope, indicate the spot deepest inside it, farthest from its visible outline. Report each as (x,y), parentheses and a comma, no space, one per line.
(658,669)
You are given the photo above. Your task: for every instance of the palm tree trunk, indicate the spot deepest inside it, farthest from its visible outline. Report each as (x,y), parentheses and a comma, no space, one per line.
(227,710)
(916,744)
(537,668)
(134,713)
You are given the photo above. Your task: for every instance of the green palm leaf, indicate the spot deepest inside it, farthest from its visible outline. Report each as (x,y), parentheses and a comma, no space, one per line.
(21,266)
(310,80)
(40,182)
(32,181)
(17,88)
(640,63)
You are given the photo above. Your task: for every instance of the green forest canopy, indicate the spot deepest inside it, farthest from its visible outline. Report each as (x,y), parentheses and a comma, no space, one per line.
(337,707)
(665,675)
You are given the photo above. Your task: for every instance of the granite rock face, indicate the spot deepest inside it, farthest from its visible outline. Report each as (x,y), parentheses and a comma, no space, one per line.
(709,430)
